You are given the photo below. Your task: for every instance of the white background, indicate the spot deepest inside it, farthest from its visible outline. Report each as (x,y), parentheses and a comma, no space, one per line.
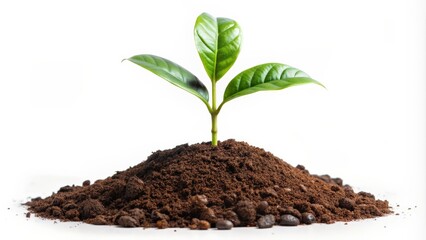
(70,111)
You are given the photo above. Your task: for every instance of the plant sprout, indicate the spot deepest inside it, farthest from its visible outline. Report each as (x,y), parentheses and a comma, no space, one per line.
(218,42)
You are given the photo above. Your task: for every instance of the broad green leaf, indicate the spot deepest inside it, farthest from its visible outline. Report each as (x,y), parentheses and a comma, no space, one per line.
(269,76)
(218,42)
(172,73)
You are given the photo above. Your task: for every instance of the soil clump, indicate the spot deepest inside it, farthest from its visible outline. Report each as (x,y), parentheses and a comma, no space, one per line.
(198,186)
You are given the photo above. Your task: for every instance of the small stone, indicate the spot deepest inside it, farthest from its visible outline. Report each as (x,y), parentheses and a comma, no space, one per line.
(262,206)
(334,188)
(300,167)
(303,188)
(65,189)
(199,200)
(308,218)
(229,199)
(194,224)
(86,183)
(246,211)
(203,225)
(233,217)
(266,221)
(28,215)
(162,224)
(337,181)
(289,220)
(291,211)
(224,224)
(268,192)
(127,221)
(348,188)
(287,189)
(347,203)
(208,215)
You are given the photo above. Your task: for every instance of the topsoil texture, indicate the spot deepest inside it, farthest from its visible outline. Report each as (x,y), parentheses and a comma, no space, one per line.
(198,186)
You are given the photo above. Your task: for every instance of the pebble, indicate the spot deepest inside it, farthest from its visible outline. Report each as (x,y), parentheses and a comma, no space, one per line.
(289,220)
(233,217)
(127,221)
(347,203)
(28,215)
(161,224)
(308,218)
(208,215)
(303,188)
(224,224)
(262,206)
(86,183)
(337,181)
(199,200)
(266,221)
(203,225)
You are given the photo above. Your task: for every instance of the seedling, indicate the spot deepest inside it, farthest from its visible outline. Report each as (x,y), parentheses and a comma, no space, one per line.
(218,42)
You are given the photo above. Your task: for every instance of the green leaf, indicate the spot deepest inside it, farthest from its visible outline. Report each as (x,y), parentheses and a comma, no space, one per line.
(173,73)
(269,76)
(218,43)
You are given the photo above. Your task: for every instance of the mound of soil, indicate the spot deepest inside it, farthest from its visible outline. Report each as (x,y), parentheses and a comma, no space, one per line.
(199,186)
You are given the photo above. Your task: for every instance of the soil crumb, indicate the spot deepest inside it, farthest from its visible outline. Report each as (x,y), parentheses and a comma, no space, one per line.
(197,185)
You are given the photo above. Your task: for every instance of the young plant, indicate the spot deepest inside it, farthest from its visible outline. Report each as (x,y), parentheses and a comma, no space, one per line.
(218,42)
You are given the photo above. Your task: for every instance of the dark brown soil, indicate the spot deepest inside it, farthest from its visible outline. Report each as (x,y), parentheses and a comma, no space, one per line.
(195,186)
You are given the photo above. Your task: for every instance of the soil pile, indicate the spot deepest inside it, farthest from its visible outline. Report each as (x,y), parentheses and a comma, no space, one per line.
(199,186)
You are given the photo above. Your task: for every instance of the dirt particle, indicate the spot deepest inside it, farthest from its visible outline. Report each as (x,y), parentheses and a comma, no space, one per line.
(28,215)
(347,203)
(246,211)
(91,208)
(162,224)
(98,220)
(134,188)
(72,214)
(199,200)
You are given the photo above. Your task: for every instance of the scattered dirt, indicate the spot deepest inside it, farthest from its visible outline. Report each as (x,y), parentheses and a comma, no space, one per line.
(195,186)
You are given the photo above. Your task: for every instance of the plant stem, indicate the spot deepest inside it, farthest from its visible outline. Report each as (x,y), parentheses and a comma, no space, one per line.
(214,130)
(214,114)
